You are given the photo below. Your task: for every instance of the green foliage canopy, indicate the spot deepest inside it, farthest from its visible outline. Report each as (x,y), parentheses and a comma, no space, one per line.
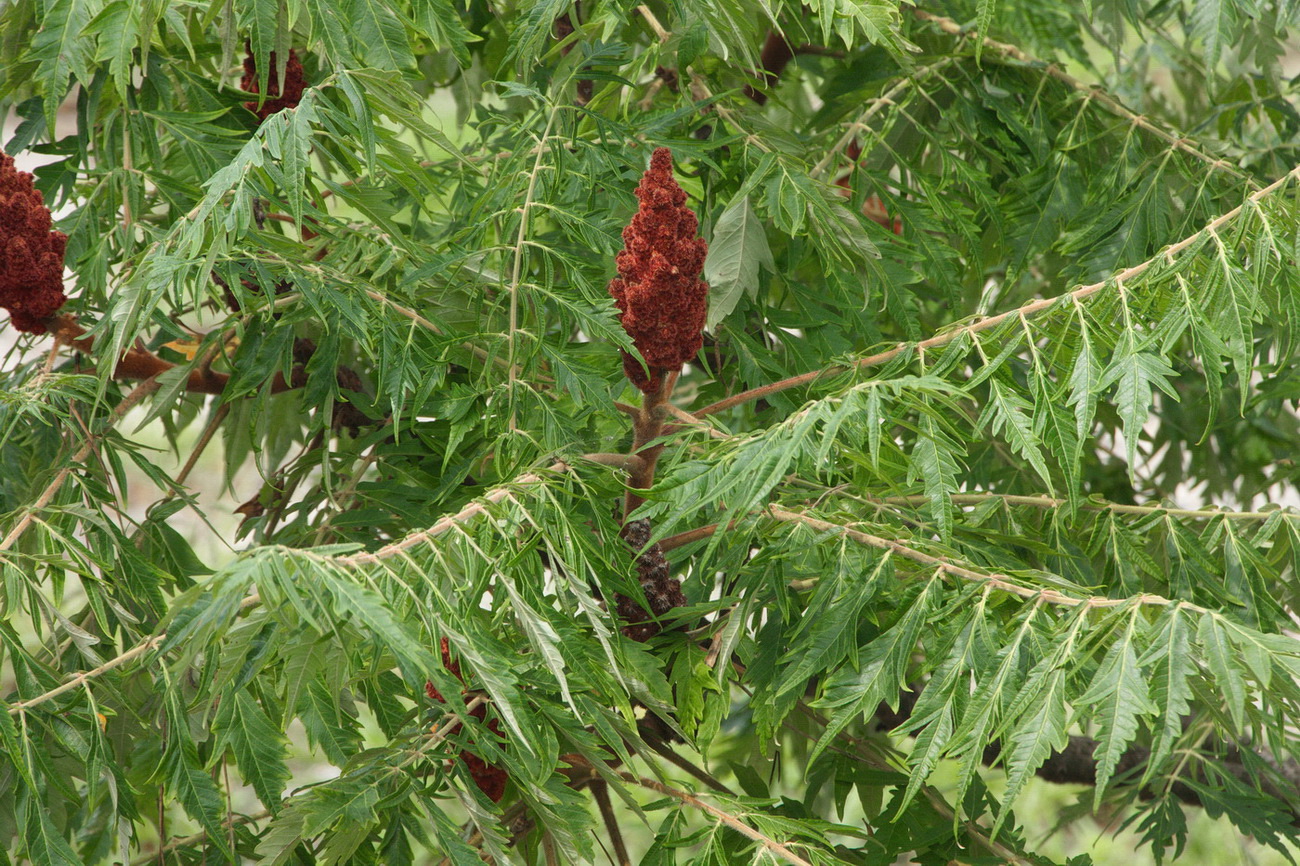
(983,462)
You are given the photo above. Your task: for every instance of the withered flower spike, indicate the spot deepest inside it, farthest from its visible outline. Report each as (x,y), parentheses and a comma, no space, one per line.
(278,98)
(661,299)
(662,591)
(31,255)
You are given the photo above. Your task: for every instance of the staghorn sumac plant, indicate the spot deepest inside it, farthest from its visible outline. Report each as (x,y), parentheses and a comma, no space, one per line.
(716,433)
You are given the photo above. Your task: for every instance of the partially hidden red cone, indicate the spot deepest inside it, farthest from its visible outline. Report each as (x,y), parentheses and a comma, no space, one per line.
(31,255)
(277,99)
(491,780)
(661,299)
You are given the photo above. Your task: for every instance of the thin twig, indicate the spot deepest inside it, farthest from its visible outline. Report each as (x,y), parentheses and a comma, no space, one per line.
(1114,507)
(995,580)
(477,351)
(689,420)
(630,462)
(423,536)
(252,599)
(873,106)
(82,678)
(659,31)
(232,822)
(203,441)
(665,751)
(991,322)
(348,492)
(141,648)
(600,792)
(682,539)
(137,394)
(516,275)
(727,818)
(1092,92)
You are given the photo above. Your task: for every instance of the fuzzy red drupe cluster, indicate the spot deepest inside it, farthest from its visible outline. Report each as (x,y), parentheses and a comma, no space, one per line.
(31,256)
(491,780)
(660,296)
(277,99)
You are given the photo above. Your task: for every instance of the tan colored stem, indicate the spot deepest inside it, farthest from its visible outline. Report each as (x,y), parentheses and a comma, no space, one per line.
(1115,507)
(727,818)
(1091,92)
(633,463)
(1029,309)
(139,393)
(995,580)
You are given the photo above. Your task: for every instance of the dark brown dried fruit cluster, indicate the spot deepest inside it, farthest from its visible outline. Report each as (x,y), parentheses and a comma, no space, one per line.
(491,780)
(278,98)
(659,293)
(662,591)
(31,256)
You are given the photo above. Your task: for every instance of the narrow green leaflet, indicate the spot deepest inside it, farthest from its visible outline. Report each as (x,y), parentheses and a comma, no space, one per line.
(379,36)
(1117,698)
(1007,411)
(1135,374)
(934,460)
(1040,732)
(876,20)
(44,844)
(880,672)
(62,51)
(1229,677)
(117,27)
(258,745)
(442,23)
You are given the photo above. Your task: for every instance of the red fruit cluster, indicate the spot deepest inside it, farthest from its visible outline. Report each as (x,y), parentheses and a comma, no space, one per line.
(278,98)
(31,256)
(660,296)
(490,780)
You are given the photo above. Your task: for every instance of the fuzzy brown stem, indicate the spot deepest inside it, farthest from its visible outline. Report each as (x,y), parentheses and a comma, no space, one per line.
(647,425)
(773,846)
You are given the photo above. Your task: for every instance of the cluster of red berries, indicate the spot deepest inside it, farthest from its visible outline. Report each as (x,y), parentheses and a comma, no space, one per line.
(31,255)
(491,780)
(278,98)
(661,299)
